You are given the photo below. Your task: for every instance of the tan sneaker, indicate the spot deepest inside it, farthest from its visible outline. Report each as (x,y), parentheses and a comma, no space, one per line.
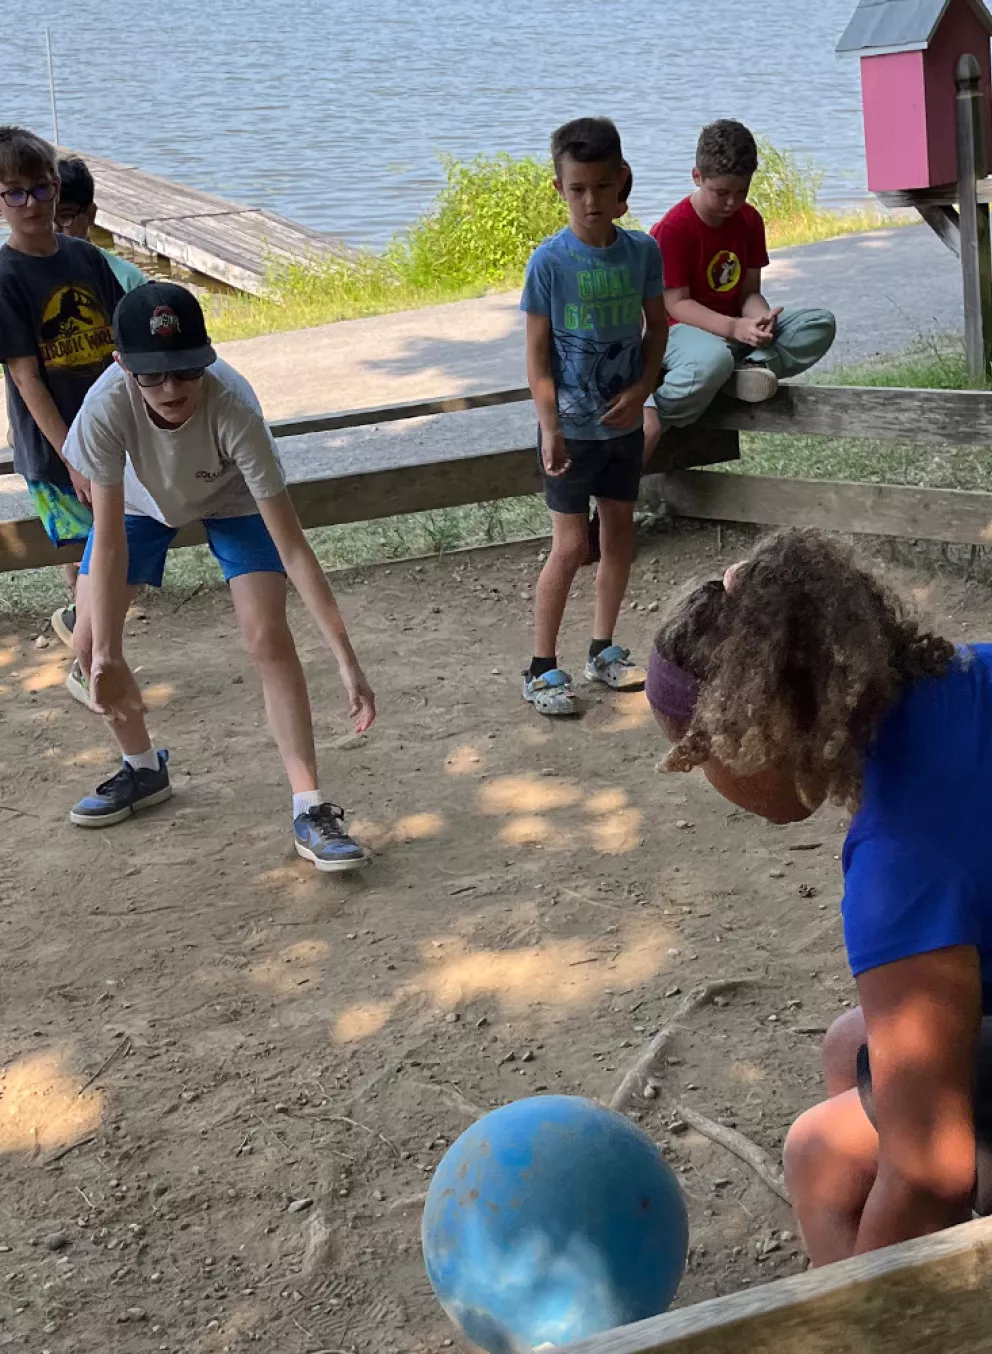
(752,383)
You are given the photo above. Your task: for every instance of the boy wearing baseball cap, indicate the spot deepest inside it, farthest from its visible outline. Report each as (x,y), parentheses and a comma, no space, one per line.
(167,436)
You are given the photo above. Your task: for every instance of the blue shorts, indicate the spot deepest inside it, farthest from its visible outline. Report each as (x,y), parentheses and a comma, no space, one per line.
(240,545)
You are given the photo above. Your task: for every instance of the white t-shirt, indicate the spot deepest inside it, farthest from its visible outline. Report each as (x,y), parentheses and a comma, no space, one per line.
(217,464)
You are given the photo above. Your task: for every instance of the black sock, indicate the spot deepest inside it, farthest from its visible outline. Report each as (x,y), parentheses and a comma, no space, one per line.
(598,645)
(539,666)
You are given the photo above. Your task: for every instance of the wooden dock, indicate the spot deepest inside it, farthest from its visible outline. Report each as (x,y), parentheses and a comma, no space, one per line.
(223,240)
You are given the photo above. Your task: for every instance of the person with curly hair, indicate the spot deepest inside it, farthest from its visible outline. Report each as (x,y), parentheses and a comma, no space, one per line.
(799,678)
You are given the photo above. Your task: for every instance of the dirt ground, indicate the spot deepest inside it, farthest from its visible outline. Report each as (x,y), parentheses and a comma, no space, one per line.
(256,1068)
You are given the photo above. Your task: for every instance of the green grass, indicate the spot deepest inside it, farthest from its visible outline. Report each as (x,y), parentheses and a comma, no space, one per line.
(477,238)
(786,190)
(927,364)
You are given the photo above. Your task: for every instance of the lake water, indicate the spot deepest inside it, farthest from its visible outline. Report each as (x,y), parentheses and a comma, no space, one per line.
(333,113)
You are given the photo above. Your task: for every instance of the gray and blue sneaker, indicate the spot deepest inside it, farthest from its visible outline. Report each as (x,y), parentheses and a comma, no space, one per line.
(64,622)
(128,792)
(321,838)
(552,693)
(614,669)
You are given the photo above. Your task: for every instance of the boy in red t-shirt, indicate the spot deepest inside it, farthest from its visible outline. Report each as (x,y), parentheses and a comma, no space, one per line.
(724,335)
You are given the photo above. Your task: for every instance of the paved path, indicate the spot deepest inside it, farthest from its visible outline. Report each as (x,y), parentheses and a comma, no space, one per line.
(887,287)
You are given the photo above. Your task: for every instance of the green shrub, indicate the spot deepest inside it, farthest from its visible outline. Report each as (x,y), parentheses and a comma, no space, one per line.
(484,224)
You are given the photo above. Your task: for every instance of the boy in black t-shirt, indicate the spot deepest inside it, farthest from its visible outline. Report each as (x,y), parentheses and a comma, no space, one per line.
(57,299)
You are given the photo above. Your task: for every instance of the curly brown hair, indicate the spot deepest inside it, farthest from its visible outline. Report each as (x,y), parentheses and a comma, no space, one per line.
(726,147)
(799,664)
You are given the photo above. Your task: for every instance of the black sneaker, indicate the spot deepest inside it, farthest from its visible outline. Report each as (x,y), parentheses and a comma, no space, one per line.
(321,838)
(128,792)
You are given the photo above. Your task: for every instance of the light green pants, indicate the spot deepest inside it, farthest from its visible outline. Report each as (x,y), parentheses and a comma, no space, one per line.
(698,365)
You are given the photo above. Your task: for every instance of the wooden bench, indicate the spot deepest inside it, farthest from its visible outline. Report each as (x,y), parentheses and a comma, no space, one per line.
(478,468)
(443,478)
(930,1296)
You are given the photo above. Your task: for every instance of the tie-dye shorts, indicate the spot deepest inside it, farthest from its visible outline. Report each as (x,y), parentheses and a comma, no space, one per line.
(62,515)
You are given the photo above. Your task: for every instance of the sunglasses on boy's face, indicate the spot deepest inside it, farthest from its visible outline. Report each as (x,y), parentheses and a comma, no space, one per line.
(41,192)
(148,379)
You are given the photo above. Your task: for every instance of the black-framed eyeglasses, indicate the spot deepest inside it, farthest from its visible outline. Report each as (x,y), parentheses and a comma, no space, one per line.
(64,216)
(41,192)
(148,379)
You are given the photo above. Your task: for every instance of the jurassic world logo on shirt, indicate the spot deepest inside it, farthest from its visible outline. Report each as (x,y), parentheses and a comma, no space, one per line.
(75,332)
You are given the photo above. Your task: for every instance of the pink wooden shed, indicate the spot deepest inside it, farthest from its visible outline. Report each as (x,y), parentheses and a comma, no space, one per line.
(909,50)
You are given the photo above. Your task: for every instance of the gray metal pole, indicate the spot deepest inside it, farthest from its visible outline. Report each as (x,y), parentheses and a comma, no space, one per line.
(51,85)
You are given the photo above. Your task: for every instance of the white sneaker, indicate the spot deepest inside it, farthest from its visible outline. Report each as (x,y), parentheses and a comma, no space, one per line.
(752,383)
(614,669)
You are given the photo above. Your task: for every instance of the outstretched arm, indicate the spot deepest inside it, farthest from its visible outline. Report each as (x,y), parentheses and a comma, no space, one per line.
(111,685)
(310,581)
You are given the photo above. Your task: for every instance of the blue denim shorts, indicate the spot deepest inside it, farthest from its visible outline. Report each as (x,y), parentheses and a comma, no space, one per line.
(240,545)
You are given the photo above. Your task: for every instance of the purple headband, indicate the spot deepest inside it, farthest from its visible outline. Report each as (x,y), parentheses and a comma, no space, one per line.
(671,691)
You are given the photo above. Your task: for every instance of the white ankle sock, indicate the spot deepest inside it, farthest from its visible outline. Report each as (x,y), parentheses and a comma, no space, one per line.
(142,761)
(306,800)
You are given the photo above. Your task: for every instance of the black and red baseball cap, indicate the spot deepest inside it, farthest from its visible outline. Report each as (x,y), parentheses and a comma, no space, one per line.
(160,327)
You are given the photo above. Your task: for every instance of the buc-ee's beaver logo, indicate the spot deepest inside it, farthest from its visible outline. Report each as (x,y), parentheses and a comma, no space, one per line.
(164,322)
(724,271)
(75,332)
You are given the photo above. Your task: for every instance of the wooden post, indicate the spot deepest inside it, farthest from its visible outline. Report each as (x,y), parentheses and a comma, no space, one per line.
(976,249)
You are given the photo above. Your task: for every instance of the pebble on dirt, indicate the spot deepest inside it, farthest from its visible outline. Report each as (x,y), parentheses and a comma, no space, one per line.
(55,1242)
(299,1205)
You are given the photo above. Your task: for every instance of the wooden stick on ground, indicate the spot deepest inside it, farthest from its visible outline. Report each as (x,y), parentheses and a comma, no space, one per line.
(743,1148)
(648,1062)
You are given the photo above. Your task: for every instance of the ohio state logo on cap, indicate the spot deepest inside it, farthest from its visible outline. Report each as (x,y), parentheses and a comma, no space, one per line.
(164,322)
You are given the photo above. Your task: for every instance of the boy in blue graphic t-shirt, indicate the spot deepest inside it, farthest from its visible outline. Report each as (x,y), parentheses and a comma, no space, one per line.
(596,336)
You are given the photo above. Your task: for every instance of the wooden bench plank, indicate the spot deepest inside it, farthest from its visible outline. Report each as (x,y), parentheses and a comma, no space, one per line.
(929,1296)
(959,516)
(927,417)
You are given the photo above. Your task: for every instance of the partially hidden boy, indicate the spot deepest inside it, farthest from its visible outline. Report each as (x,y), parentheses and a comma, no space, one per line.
(57,297)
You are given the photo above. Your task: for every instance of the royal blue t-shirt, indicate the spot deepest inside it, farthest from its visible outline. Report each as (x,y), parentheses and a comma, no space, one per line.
(918,857)
(594,299)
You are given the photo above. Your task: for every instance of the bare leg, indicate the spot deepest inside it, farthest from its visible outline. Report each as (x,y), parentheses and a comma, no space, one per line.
(619,537)
(71,573)
(831,1160)
(569,550)
(260,604)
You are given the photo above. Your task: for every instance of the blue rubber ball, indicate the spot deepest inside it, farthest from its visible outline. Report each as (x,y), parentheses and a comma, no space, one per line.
(550,1220)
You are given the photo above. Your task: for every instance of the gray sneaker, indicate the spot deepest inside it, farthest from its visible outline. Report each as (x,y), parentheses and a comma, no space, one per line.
(78,685)
(614,669)
(752,383)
